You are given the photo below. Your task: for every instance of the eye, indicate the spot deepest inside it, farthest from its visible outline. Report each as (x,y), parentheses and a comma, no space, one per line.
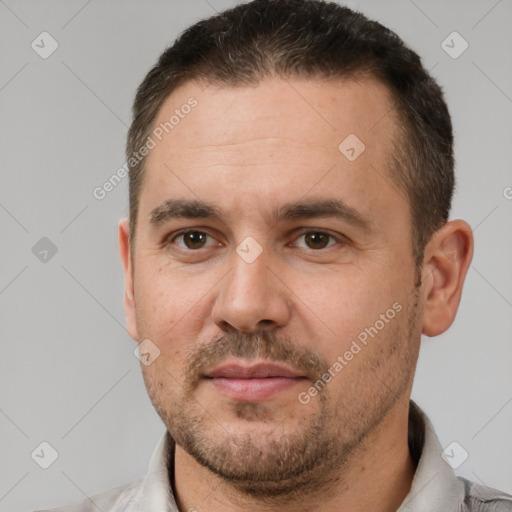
(316,240)
(192,240)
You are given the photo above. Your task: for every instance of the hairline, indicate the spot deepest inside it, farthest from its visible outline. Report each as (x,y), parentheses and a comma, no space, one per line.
(394,162)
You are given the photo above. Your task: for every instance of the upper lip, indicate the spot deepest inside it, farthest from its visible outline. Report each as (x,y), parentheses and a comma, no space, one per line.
(254,371)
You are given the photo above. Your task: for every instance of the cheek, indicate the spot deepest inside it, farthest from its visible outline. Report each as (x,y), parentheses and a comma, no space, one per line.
(172,311)
(164,299)
(342,304)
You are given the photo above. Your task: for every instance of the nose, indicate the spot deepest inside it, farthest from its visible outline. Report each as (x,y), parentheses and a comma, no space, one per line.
(251,297)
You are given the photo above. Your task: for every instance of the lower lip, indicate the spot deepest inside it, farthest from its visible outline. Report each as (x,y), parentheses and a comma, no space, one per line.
(253,390)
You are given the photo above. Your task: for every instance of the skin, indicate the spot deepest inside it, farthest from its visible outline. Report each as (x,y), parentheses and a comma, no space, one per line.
(249,151)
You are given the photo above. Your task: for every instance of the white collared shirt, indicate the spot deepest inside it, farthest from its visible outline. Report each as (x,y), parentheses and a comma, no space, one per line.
(435,488)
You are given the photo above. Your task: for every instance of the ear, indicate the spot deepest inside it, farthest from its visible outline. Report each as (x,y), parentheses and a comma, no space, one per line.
(126,260)
(447,259)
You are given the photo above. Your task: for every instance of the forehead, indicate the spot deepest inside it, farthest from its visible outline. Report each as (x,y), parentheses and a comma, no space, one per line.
(313,110)
(280,137)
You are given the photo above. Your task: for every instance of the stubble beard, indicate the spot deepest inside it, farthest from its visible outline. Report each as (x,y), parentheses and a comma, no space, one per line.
(282,463)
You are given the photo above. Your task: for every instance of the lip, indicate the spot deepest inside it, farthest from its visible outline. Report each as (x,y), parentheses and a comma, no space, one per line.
(253,383)
(254,371)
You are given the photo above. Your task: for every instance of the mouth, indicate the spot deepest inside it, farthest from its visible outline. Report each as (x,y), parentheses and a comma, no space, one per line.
(253,383)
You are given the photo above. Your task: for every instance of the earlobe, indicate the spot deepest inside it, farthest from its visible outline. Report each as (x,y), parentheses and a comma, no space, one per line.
(447,259)
(126,261)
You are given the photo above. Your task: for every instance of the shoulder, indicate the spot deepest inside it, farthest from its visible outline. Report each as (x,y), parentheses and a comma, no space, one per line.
(119,499)
(479,498)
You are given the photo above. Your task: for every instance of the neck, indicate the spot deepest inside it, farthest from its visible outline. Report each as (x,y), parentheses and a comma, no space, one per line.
(377,476)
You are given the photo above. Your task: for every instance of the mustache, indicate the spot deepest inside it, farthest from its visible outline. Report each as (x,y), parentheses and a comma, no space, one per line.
(264,345)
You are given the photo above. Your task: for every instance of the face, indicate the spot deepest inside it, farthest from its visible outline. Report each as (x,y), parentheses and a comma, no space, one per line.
(273,271)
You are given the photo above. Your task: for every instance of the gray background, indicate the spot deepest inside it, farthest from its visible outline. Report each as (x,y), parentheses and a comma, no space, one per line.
(68,373)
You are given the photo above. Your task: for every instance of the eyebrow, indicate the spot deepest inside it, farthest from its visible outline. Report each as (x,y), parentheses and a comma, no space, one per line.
(182,208)
(325,208)
(197,209)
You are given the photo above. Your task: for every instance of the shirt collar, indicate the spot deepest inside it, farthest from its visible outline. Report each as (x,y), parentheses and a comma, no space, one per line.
(156,494)
(435,488)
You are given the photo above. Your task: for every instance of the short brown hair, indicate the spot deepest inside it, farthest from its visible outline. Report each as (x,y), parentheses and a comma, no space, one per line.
(314,39)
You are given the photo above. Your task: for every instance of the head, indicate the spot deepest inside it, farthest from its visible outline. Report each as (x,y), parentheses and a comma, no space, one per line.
(323,40)
(310,159)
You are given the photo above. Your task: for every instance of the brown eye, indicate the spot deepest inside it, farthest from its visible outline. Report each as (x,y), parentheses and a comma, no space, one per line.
(317,240)
(192,240)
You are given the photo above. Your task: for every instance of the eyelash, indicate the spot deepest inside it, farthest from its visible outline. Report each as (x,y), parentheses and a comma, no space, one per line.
(170,240)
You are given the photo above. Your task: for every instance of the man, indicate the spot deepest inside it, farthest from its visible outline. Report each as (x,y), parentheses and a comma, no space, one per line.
(288,243)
